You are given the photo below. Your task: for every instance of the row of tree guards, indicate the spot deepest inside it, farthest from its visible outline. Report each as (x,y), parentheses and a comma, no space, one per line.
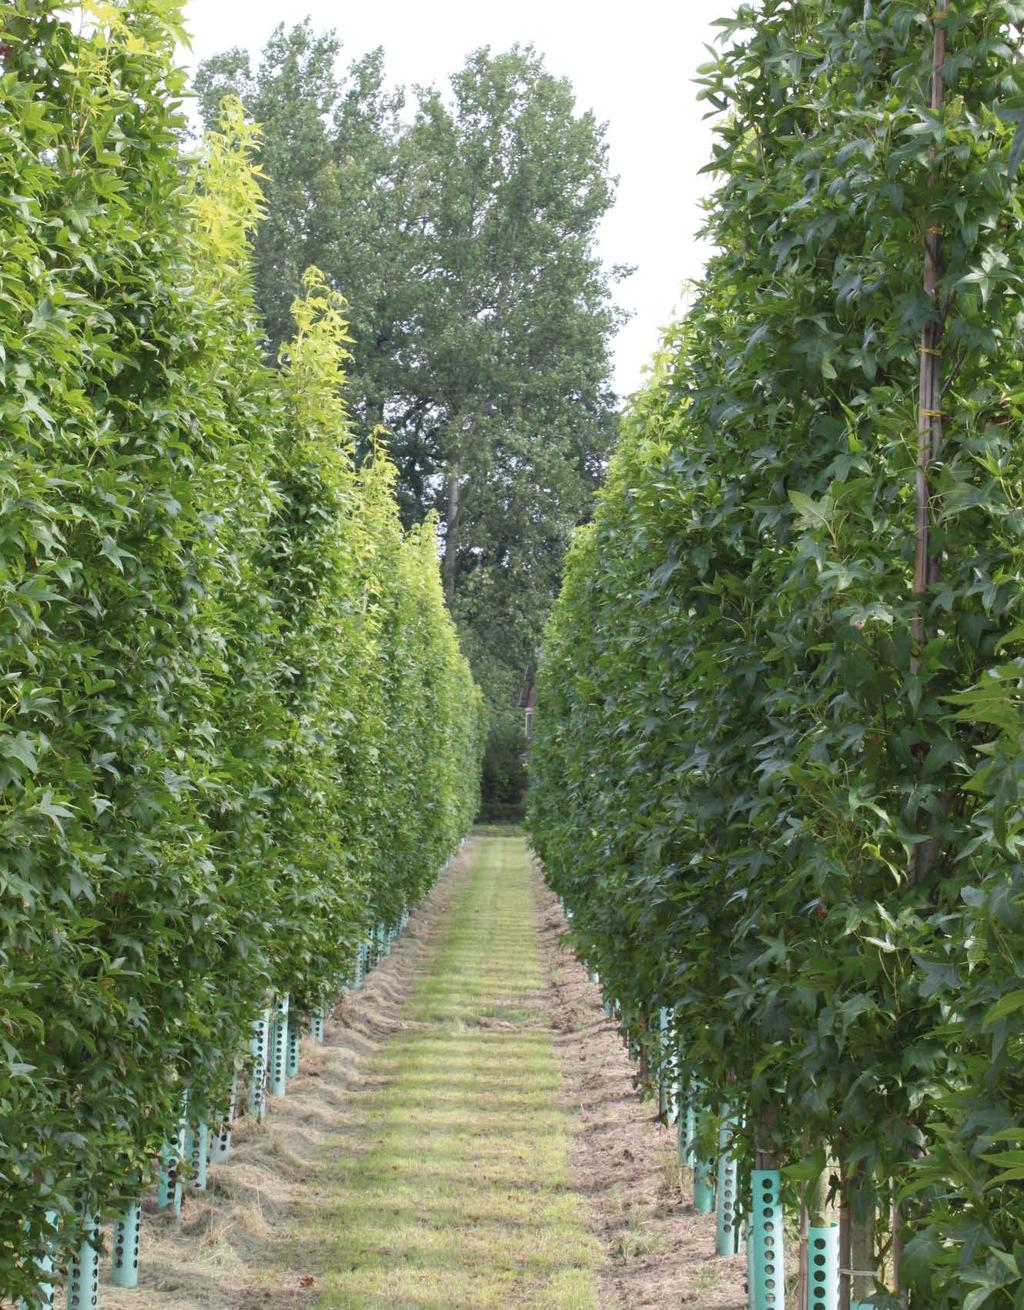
(777,769)
(747,1203)
(752,1221)
(273,1058)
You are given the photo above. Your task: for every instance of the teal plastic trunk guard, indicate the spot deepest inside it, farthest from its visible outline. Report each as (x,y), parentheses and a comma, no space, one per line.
(316,1025)
(750,1268)
(767,1284)
(703,1187)
(727,1227)
(686,1126)
(278,1049)
(294,1050)
(823,1268)
(703,1178)
(44,1264)
(168,1192)
(664,1070)
(125,1243)
(260,1047)
(198,1154)
(220,1144)
(84,1273)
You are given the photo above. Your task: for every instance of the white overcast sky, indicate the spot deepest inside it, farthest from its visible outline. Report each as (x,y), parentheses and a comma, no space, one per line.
(633,65)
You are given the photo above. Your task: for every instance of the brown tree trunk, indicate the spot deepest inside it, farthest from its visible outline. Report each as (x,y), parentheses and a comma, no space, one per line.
(862,1258)
(451,536)
(766,1154)
(930,429)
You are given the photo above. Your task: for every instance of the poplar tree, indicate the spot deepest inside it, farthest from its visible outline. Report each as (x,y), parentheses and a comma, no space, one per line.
(481,312)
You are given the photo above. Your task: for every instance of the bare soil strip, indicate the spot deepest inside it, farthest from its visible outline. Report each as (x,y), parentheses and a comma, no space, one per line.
(660,1251)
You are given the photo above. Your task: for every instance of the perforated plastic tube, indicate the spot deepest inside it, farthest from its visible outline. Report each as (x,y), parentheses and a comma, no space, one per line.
(823,1268)
(686,1127)
(278,1048)
(703,1177)
(168,1192)
(316,1025)
(84,1272)
(767,1283)
(198,1153)
(727,1227)
(125,1243)
(703,1187)
(44,1264)
(294,1050)
(664,1071)
(220,1145)
(260,1047)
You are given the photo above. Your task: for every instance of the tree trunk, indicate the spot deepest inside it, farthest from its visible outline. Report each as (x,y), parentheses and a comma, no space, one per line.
(766,1154)
(897,1252)
(451,536)
(930,430)
(857,1264)
(844,1252)
(862,1257)
(814,1213)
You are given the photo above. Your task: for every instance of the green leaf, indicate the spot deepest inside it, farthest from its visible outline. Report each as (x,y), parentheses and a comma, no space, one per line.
(1007,1004)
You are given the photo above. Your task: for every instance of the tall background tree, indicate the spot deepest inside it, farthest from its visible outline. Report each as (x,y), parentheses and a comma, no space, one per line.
(463,230)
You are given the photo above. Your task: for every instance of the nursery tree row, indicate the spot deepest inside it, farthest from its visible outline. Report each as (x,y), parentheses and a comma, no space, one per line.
(778,773)
(236,728)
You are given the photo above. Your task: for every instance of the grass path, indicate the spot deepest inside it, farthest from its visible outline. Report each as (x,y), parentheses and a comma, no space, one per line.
(459,1197)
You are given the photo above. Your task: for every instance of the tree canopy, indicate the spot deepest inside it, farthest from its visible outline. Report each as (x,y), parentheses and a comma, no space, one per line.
(236,728)
(463,232)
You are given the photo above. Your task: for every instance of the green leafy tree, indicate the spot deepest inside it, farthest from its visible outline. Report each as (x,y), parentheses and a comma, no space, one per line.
(750,779)
(222,657)
(328,154)
(482,314)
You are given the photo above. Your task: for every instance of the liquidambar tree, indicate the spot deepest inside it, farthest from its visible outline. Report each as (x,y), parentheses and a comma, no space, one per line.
(774,769)
(236,729)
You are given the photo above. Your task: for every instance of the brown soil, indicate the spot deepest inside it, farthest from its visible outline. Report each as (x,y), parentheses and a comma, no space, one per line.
(661,1252)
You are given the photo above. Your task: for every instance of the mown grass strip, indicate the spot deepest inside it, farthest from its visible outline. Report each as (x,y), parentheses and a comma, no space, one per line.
(460,1195)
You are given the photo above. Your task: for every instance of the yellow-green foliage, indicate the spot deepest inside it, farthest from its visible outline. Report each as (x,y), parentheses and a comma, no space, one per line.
(235,725)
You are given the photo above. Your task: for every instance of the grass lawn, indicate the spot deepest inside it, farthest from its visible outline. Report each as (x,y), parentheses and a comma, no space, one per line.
(458,1196)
